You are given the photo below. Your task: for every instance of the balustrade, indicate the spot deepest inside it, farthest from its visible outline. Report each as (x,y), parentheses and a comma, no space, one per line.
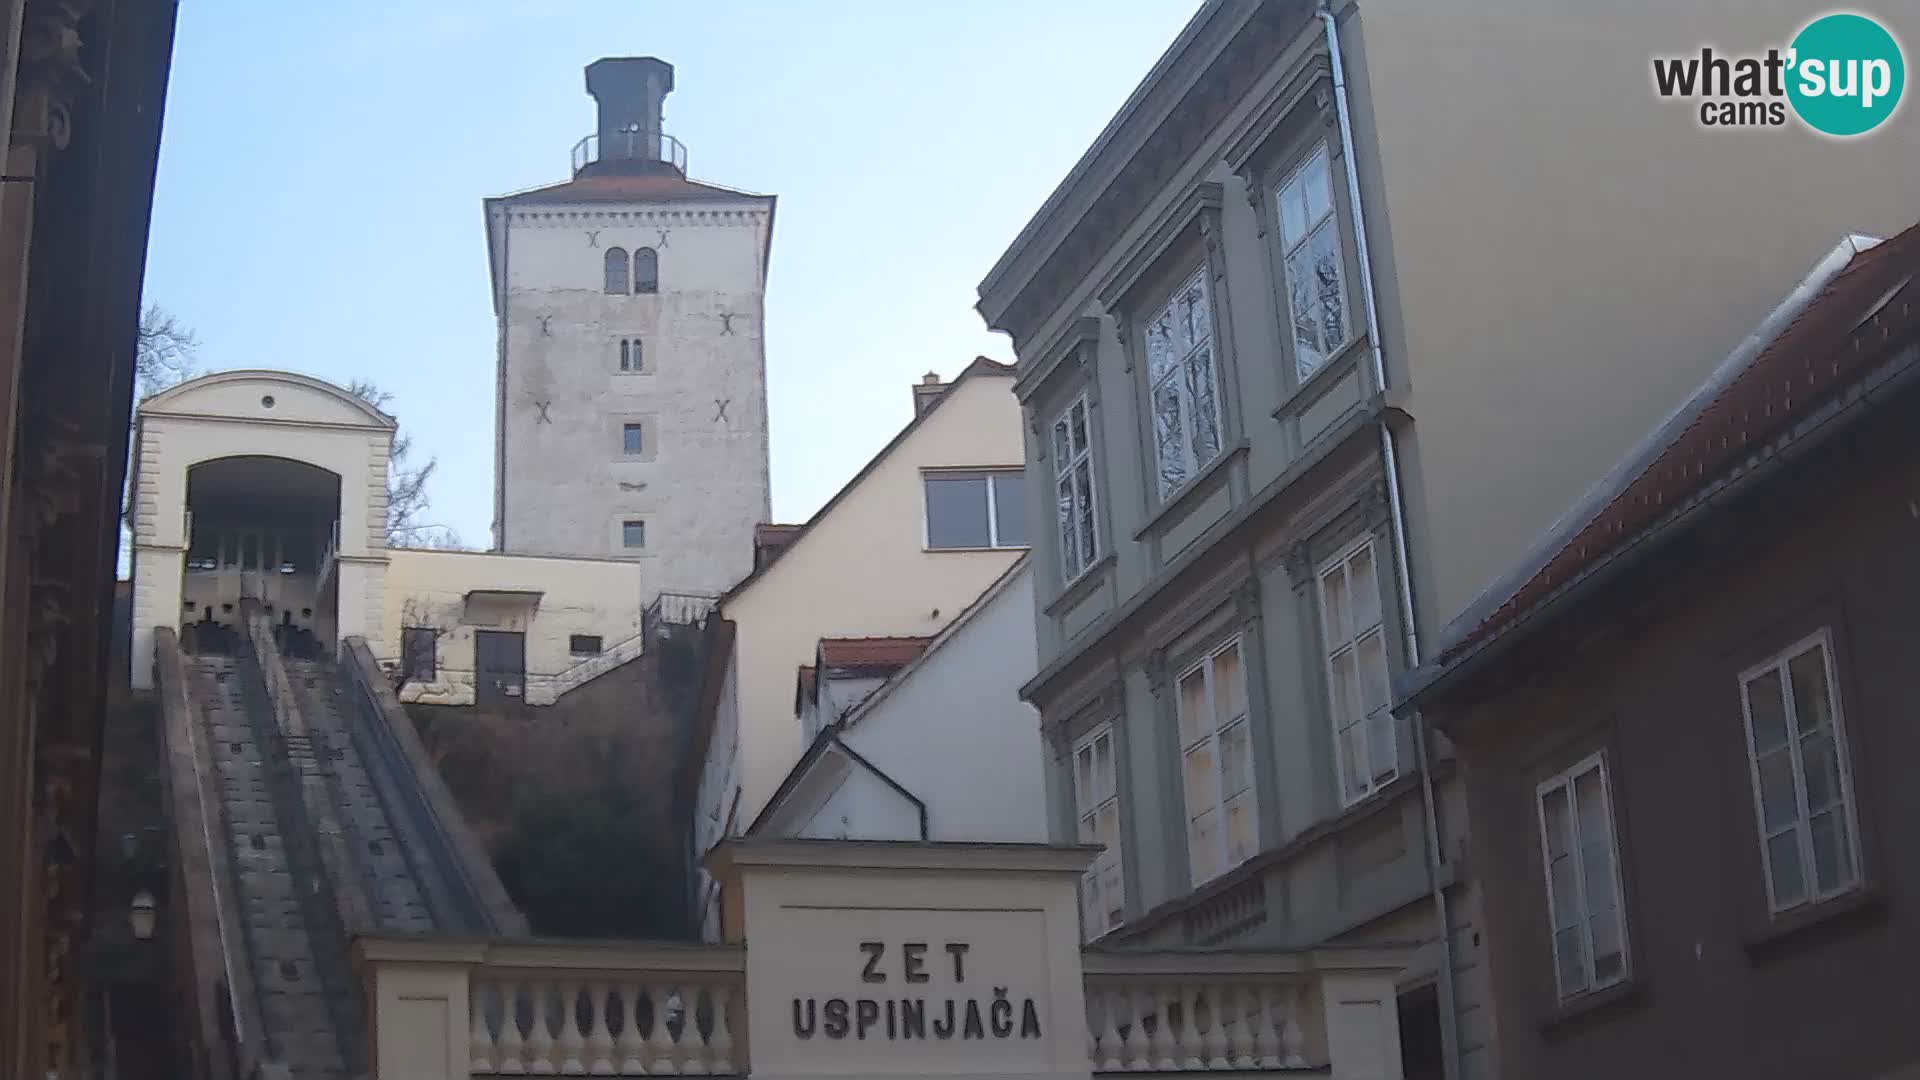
(604,1026)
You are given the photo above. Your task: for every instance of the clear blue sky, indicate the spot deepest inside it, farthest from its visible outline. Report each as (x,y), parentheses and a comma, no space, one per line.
(322,168)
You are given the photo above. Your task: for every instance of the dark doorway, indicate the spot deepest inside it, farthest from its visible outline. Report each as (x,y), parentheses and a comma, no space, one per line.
(1421,1057)
(500,666)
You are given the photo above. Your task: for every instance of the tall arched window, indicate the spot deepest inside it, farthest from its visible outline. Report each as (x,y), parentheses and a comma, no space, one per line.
(646,271)
(617,271)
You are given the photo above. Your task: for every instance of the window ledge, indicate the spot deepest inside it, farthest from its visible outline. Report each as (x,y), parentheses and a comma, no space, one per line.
(965,550)
(1184,496)
(1336,368)
(1594,1006)
(1842,914)
(1081,586)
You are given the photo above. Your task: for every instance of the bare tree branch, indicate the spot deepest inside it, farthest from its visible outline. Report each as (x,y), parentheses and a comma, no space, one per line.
(406,484)
(163,354)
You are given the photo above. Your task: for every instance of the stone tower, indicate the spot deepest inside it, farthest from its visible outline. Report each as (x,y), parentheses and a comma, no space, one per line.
(631,417)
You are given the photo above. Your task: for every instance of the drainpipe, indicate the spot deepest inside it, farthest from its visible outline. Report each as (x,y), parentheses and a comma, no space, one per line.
(1449,1017)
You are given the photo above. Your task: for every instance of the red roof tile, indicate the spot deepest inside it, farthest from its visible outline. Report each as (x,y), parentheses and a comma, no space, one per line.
(1835,339)
(664,187)
(871,651)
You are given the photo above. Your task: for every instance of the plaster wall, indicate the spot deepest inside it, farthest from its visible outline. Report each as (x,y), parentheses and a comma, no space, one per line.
(700,480)
(255,413)
(596,597)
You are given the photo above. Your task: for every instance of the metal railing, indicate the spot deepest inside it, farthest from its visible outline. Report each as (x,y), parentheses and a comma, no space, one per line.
(630,146)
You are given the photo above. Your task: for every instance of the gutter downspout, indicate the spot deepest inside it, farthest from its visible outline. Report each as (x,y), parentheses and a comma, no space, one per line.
(1449,1015)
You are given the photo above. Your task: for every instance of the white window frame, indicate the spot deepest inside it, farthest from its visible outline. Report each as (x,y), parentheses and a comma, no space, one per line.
(993,503)
(1177,375)
(1292,245)
(1331,651)
(1084,523)
(1802,826)
(1210,738)
(1583,902)
(1097,906)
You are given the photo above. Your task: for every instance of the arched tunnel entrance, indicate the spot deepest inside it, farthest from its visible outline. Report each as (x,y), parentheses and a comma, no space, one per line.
(266,529)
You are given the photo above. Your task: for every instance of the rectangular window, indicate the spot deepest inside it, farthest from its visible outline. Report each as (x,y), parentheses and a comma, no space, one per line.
(1217,764)
(976,510)
(1073,488)
(1802,786)
(417,646)
(1316,276)
(584,644)
(1181,379)
(633,534)
(1582,860)
(630,442)
(1366,749)
(1096,802)
(630,354)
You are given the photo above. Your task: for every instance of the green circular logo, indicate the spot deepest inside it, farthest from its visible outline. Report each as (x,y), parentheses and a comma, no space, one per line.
(1846,74)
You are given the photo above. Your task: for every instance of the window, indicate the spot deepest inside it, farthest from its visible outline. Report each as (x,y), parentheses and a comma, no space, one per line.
(976,510)
(630,354)
(1802,787)
(1217,764)
(630,439)
(1316,278)
(1096,801)
(1073,486)
(417,646)
(646,271)
(1366,749)
(617,271)
(1180,373)
(1582,860)
(633,534)
(584,644)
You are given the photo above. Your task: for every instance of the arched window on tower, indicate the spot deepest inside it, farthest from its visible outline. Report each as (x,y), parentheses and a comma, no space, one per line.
(646,271)
(617,271)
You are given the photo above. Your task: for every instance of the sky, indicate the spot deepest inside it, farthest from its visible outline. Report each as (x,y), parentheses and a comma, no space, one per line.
(322,169)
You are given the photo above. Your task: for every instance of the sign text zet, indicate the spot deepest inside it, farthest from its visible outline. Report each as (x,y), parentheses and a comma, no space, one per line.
(900,1018)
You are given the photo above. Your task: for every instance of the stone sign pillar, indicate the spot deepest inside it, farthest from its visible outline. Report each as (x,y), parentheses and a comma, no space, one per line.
(890,961)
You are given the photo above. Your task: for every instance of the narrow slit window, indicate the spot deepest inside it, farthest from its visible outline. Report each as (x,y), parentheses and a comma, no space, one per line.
(631,440)
(630,354)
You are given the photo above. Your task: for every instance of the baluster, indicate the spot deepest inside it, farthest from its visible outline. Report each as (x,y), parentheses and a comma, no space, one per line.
(1240,1039)
(1266,1042)
(1218,1000)
(1190,1046)
(1133,1045)
(1095,1010)
(572,1043)
(1161,1048)
(1112,1005)
(513,1051)
(479,1040)
(660,1048)
(632,1040)
(540,1039)
(1292,1040)
(722,1042)
(600,1039)
(693,1049)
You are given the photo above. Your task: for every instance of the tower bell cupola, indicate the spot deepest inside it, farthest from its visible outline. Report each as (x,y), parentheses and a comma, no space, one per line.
(629,138)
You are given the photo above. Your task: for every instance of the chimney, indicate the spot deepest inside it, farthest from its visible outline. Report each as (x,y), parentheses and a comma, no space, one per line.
(630,91)
(927,392)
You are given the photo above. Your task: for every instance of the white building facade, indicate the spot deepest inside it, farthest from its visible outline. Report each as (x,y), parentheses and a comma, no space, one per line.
(631,405)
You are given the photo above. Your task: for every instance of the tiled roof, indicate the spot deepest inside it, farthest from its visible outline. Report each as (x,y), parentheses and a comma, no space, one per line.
(871,651)
(775,535)
(1835,339)
(656,187)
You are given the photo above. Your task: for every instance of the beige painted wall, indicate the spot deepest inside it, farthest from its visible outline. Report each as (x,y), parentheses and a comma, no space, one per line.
(1563,255)
(579,596)
(228,414)
(862,570)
